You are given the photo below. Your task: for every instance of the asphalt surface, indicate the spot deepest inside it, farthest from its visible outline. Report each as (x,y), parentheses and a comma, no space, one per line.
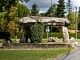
(74,55)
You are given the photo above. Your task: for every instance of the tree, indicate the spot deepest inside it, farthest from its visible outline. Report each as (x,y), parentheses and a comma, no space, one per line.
(79,19)
(10,19)
(52,11)
(13,25)
(34,10)
(8,12)
(72,20)
(23,11)
(6,4)
(5,11)
(60,9)
(69,6)
(69,9)
(2,20)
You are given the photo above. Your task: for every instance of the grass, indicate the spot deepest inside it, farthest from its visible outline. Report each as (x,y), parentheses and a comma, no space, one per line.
(13,40)
(59,35)
(32,54)
(1,40)
(54,34)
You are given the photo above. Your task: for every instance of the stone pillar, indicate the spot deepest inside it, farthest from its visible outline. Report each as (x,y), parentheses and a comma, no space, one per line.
(65,35)
(27,31)
(25,35)
(22,39)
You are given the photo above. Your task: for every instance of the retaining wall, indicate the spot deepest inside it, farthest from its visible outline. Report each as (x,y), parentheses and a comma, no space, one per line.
(33,45)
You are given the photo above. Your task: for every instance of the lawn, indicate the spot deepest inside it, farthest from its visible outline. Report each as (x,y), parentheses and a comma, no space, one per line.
(32,54)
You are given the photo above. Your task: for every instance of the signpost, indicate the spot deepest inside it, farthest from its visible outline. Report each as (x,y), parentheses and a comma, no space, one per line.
(47,30)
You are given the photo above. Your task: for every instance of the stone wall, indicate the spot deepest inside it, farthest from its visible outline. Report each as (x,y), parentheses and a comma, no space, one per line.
(33,45)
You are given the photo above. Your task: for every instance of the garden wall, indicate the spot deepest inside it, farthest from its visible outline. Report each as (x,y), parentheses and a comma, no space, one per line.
(33,45)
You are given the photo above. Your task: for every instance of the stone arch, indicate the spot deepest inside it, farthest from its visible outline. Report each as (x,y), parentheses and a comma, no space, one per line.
(50,21)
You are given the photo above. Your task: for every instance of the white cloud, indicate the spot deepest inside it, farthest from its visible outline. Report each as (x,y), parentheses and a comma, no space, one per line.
(76,3)
(41,3)
(41,11)
(44,5)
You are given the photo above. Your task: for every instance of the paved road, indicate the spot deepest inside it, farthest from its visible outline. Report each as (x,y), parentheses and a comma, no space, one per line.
(75,55)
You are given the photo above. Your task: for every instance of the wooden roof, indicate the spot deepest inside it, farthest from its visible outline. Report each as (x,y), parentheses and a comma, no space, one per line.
(49,20)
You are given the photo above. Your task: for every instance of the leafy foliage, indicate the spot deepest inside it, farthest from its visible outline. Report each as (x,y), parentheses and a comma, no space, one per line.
(79,19)
(69,6)
(9,20)
(52,11)
(9,17)
(23,11)
(72,18)
(13,25)
(34,10)
(36,32)
(60,9)
(12,13)
(2,20)
(8,11)
(6,4)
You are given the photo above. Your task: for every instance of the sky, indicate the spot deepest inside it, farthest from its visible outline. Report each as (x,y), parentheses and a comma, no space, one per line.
(44,5)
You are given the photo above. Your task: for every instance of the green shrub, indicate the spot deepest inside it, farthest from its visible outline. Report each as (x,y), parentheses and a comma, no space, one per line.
(36,32)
